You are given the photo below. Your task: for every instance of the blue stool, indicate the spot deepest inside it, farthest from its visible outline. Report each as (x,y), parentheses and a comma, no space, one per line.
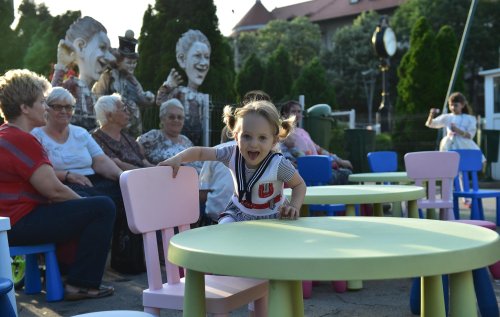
(6,309)
(116,313)
(32,281)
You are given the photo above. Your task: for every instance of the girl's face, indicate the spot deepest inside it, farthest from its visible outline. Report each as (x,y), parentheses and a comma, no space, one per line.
(255,138)
(455,107)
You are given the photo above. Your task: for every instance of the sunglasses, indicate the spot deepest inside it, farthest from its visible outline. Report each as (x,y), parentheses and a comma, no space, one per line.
(59,108)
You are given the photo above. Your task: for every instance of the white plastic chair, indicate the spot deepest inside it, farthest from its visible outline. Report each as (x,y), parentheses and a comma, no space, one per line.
(155,201)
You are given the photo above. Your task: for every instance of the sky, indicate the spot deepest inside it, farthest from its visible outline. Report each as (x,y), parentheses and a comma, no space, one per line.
(229,12)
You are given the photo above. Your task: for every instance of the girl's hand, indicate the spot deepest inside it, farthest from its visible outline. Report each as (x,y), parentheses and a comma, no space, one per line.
(434,111)
(288,212)
(79,179)
(174,162)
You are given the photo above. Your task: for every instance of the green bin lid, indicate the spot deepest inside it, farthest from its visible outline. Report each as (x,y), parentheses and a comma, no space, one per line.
(319,110)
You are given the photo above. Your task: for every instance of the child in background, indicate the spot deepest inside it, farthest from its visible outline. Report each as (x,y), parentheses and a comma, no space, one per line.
(259,171)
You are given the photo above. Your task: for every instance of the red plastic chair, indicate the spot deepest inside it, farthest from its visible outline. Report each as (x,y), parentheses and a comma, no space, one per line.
(155,201)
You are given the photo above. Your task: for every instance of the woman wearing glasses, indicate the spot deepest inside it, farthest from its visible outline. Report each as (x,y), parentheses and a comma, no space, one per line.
(161,144)
(113,118)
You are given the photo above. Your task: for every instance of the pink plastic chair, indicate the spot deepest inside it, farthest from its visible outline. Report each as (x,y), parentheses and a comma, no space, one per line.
(154,201)
(429,168)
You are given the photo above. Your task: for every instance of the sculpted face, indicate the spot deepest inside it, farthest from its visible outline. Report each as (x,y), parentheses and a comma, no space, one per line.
(94,56)
(128,65)
(196,64)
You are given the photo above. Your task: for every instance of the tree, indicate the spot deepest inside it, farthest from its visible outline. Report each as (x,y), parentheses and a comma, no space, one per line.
(6,35)
(312,83)
(301,38)
(250,77)
(278,75)
(351,55)
(418,90)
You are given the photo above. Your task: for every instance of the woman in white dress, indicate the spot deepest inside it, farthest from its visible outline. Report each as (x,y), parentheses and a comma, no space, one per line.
(460,125)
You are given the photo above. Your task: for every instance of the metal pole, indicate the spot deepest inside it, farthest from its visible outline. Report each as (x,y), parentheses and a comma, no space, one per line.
(460,52)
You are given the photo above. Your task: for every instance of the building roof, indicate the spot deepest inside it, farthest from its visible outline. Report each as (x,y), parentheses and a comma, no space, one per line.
(315,10)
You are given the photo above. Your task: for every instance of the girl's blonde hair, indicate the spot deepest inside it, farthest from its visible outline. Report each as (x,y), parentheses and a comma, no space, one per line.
(282,127)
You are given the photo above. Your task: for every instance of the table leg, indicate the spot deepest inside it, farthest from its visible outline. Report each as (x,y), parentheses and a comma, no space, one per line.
(397,211)
(412,209)
(462,295)
(350,210)
(194,294)
(285,299)
(378,210)
(432,297)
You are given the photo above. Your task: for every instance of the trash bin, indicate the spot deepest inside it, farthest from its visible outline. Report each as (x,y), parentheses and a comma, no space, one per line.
(358,142)
(319,124)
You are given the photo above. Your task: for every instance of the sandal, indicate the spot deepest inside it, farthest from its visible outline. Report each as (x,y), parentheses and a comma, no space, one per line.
(84,293)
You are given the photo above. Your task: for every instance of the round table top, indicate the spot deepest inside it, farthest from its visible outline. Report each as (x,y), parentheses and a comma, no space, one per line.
(336,248)
(360,194)
(395,177)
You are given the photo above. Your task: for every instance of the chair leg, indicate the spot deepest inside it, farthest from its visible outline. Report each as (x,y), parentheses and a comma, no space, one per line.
(306,289)
(480,208)
(339,286)
(495,270)
(456,208)
(152,310)
(498,210)
(32,280)
(53,282)
(485,294)
(474,211)
(260,306)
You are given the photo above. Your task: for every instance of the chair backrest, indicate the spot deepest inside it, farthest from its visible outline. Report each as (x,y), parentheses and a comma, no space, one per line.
(471,162)
(383,161)
(154,200)
(315,169)
(430,167)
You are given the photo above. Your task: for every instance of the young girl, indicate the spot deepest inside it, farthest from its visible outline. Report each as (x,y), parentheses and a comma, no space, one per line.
(258,170)
(460,125)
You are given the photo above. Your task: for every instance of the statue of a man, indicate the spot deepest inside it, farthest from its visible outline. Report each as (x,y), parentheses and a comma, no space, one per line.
(86,44)
(193,55)
(121,79)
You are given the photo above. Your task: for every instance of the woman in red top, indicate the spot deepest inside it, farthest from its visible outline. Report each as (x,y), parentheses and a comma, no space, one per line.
(41,209)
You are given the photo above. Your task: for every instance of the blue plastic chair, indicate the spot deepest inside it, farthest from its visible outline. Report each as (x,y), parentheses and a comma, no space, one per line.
(32,280)
(383,161)
(467,186)
(316,170)
(6,309)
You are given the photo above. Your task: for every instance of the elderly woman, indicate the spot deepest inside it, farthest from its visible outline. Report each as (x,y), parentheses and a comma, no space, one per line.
(42,209)
(193,55)
(87,45)
(166,142)
(299,143)
(81,164)
(113,117)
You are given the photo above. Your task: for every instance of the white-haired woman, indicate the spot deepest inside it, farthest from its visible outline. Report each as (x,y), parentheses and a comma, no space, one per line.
(113,118)
(161,144)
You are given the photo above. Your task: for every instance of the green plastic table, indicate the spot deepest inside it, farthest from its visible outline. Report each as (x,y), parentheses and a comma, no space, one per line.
(393,177)
(337,248)
(351,195)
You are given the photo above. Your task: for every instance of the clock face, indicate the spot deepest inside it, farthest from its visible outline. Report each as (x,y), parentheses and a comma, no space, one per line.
(390,43)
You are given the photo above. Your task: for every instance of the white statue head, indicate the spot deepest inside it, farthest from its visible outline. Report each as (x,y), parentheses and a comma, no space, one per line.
(92,47)
(193,55)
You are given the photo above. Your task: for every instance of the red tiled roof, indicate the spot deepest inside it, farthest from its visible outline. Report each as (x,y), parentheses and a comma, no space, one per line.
(257,15)
(315,10)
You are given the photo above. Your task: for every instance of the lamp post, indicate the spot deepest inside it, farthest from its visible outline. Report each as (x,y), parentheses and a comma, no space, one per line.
(369,85)
(384,44)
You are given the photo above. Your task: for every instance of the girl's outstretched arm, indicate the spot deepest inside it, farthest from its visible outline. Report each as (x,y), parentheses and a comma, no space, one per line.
(292,210)
(196,153)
